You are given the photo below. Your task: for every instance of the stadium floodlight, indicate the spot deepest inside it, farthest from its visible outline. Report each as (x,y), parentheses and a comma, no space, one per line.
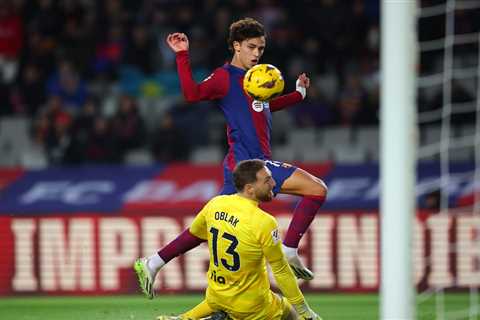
(398,141)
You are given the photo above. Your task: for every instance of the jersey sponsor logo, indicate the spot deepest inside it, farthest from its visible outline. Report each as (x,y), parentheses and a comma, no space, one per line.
(218,279)
(258,106)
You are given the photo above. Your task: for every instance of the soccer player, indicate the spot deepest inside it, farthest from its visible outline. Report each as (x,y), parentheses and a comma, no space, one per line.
(248,132)
(241,238)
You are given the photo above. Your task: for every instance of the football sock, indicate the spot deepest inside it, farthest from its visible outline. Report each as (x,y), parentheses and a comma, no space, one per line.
(181,244)
(154,263)
(289,252)
(303,216)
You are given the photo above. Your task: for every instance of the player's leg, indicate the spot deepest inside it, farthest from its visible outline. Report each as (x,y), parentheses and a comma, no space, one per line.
(147,268)
(295,181)
(313,192)
(200,311)
(278,309)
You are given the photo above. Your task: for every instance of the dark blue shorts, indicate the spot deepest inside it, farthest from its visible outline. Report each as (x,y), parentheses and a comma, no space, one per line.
(280,172)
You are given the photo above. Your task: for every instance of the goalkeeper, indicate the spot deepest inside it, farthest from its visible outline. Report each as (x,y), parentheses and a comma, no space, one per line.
(241,239)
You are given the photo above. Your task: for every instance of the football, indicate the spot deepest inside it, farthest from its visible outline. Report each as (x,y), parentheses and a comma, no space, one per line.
(263,82)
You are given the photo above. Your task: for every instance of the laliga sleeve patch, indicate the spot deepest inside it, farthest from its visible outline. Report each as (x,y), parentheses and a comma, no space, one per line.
(275,236)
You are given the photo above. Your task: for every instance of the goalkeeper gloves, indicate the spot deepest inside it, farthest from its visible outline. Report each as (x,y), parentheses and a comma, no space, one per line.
(305,313)
(302,90)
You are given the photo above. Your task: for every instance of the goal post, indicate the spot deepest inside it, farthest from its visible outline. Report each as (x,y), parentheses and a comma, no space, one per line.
(398,143)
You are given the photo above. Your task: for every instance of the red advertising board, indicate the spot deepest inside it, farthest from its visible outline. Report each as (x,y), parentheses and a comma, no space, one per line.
(93,254)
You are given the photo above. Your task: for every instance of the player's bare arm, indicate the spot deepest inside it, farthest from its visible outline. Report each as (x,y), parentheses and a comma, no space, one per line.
(178,42)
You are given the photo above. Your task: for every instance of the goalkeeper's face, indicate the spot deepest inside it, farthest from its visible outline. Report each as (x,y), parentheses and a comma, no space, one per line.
(263,187)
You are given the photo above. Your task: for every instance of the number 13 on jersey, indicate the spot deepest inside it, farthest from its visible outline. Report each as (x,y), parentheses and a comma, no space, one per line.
(233,261)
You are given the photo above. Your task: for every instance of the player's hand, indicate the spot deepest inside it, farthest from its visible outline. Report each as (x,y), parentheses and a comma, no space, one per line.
(178,41)
(303,82)
(305,313)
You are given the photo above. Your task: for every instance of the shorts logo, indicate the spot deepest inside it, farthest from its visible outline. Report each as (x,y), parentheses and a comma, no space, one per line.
(258,106)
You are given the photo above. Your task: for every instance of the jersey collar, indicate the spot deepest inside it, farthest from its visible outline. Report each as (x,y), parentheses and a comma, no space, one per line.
(252,202)
(236,69)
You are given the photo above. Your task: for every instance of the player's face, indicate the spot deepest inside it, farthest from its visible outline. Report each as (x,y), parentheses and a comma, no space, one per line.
(249,51)
(264,185)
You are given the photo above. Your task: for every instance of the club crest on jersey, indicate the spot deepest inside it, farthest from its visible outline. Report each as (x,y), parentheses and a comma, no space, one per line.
(258,106)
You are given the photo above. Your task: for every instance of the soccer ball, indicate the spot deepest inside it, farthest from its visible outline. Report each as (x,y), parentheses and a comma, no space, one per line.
(263,82)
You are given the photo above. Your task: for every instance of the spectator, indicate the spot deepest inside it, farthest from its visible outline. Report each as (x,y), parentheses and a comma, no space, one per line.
(109,53)
(353,106)
(78,42)
(127,126)
(39,50)
(93,39)
(170,143)
(30,92)
(82,129)
(58,139)
(140,50)
(40,129)
(312,112)
(101,145)
(52,131)
(67,84)
(43,17)
(11,33)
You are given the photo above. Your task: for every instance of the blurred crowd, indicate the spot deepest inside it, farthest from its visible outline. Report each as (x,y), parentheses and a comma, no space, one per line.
(98,80)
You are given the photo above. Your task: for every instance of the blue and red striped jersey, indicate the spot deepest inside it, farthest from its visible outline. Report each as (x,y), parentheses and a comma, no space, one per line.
(249,122)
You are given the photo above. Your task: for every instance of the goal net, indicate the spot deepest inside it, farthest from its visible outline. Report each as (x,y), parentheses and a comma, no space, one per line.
(449,122)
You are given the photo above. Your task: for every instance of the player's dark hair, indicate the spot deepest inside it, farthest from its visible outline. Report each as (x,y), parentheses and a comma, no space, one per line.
(246,172)
(244,29)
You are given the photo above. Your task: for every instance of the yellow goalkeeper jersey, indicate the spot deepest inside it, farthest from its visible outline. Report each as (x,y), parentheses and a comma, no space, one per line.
(241,238)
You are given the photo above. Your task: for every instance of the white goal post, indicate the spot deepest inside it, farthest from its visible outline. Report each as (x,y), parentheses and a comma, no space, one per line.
(398,143)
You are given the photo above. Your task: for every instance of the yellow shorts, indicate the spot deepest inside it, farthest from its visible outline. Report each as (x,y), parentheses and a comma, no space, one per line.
(278,309)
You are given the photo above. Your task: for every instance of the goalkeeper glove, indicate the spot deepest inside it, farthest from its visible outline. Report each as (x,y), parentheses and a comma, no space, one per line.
(302,90)
(305,313)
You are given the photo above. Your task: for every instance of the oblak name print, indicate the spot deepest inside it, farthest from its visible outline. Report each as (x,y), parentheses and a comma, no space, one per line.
(225,216)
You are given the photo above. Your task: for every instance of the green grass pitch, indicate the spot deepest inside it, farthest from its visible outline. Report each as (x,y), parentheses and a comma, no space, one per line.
(329,306)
